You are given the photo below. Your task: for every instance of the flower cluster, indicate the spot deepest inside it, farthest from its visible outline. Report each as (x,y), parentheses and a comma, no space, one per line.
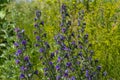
(22,57)
(43,47)
(73,59)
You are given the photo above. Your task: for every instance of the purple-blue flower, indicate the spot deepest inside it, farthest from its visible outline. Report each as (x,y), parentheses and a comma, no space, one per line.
(87,73)
(26,58)
(22,31)
(36,45)
(19,51)
(56,52)
(80,47)
(52,55)
(63,8)
(99,68)
(73,42)
(72,78)
(37,38)
(35,19)
(65,48)
(17,61)
(61,24)
(42,23)
(63,30)
(36,25)
(22,68)
(72,69)
(50,63)
(45,69)
(24,42)
(17,30)
(72,34)
(19,36)
(66,73)
(57,67)
(62,37)
(22,76)
(58,77)
(104,73)
(16,44)
(78,62)
(68,64)
(59,59)
(36,72)
(41,50)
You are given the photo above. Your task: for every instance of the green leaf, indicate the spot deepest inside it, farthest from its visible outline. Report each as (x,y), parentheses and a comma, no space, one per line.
(2,14)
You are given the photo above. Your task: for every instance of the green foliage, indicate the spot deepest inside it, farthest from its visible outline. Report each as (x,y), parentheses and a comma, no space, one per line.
(102,19)
(6,40)
(7,52)
(103,25)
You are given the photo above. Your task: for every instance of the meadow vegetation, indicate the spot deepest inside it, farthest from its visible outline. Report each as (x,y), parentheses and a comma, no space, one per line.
(60,40)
